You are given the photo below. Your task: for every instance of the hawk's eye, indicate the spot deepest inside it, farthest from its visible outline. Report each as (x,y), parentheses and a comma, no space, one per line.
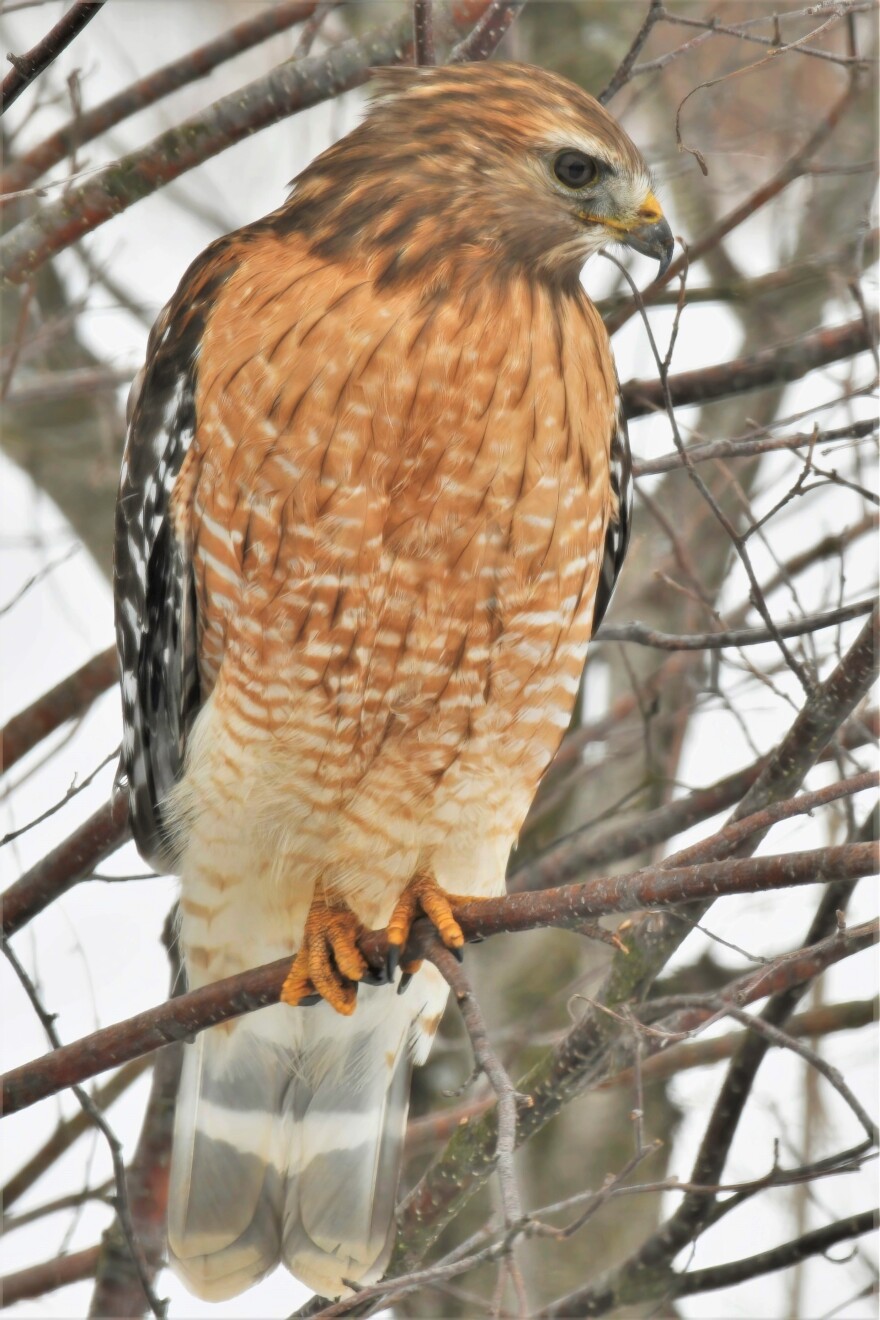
(574,169)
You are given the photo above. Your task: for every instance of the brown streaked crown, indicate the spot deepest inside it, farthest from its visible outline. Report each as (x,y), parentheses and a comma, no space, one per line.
(452,168)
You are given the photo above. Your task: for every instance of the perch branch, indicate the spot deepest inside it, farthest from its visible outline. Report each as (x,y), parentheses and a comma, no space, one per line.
(568,907)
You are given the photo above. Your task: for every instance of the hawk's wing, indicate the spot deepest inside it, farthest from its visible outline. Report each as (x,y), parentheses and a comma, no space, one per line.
(156,632)
(619,524)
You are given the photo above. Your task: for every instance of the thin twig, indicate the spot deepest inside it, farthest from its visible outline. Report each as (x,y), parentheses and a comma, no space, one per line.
(157,1306)
(624,69)
(488,1062)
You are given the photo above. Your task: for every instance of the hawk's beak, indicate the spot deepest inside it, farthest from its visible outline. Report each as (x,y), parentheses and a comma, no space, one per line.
(652,236)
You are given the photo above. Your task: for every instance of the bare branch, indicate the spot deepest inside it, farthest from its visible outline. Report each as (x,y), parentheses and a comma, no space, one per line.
(568,858)
(66,865)
(68,1131)
(777,1258)
(764,444)
(487,33)
(27,67)
(791,170)
(100,1122)
(568,907)
(487,1062)
(644,636)
(40,1279)
(771,366)
(624,70)
(423,32)
(285,90)
(69,698)
(22,173)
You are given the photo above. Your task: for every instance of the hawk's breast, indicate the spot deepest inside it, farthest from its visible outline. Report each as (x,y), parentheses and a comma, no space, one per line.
(398,525)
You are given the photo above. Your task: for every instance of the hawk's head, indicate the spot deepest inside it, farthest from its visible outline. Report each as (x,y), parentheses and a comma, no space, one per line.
(503,164)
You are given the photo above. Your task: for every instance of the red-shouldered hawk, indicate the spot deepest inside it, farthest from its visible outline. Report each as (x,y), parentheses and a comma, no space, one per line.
(375,498)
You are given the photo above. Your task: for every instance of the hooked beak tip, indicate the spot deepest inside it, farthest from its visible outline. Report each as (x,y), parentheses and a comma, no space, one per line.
(654,239)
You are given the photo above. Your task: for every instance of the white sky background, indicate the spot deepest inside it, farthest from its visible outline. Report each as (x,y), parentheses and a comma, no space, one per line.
(95,953)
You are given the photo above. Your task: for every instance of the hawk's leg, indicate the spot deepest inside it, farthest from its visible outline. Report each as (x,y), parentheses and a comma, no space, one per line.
(329,963)
(423,897)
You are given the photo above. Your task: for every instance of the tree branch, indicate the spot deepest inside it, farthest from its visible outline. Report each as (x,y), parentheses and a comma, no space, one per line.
(579,850)
(764,444)
(577,1062)
(27,67)
(791,170)
(198,63)
(423,32)
(69,698)
(777,1258)
(487,33)
(772,366)
(567,907)
(624,69)
(641,635)
(566,1071)
(40,1279)
(68,1131)
(66,865)
(290,87)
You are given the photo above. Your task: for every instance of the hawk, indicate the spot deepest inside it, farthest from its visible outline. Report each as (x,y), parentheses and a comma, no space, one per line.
(374,500)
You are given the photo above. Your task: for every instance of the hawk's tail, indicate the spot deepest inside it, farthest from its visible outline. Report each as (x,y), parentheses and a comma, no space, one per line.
(288,1142)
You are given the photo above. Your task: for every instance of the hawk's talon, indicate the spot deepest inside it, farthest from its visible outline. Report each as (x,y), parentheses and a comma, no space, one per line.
(392,960)
(423,896)
(329,964)
(375,975)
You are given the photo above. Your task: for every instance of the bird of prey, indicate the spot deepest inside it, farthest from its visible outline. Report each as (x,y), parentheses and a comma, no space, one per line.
(374,500)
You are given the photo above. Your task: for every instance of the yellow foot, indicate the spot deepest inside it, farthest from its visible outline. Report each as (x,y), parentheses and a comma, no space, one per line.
(329,963)
(423,897)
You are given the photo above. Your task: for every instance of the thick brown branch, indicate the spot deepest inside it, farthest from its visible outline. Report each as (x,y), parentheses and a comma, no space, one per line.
(569,906)
(66,865)
(69,698)
(27,67)
(668,1284)
(118,1290)
(146,91)
(40,1279)
(772,366)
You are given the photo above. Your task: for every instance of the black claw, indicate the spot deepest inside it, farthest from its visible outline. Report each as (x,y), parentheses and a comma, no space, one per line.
(458,954)
(375,975)
(308,1000)
(392,960)
(403,984)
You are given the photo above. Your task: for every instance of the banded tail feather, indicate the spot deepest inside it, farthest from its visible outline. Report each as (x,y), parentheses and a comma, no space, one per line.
(288,1142)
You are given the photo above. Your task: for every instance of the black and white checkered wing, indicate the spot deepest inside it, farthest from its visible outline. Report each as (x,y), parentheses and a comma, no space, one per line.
(619,525)
(154,589)
(156,624)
